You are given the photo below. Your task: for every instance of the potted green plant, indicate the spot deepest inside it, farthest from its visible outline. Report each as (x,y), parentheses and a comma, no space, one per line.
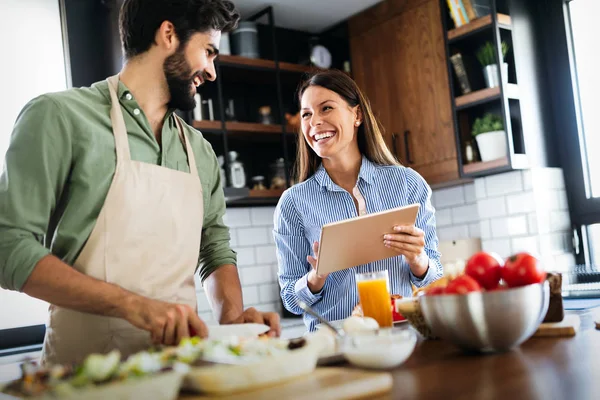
(487,58)
(490,135)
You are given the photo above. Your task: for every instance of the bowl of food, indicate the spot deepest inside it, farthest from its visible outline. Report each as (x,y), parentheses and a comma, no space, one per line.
(387,348)
(495,306)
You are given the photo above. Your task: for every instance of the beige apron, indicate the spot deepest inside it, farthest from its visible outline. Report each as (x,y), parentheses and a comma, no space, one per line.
(146,240)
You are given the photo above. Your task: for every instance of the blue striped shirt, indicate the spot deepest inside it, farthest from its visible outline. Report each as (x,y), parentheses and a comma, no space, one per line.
(305,207)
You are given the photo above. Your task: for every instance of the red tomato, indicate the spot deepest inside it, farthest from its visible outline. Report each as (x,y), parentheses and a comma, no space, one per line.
(485,268)
(434,291)
(522,269)
(462,284)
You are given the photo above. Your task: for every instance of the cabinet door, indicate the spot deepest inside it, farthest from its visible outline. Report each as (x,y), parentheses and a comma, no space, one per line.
(373,71)
(421,83)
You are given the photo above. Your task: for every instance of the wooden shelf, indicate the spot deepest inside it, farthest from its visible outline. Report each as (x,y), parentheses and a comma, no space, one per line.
(484,95)
(477,24)
(241,127)
(239,61)
(266,193)
(519,161)
(484,166)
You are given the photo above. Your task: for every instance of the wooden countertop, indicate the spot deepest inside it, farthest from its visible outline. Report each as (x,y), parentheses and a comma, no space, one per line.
(541,368)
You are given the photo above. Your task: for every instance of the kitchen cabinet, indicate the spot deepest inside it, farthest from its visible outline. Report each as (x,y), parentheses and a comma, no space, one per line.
(401,65)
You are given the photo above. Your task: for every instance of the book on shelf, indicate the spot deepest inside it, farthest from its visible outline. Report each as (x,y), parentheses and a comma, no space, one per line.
(458,12)
(469,9)
(461,73)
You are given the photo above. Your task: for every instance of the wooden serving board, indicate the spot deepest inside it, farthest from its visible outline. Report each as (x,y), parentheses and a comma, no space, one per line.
(567,327)
(322,384)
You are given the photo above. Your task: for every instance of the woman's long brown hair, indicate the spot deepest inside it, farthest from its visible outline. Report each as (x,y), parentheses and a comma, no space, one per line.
(370,133)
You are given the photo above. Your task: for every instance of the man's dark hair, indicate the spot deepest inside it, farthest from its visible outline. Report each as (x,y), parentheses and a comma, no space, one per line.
(140,19)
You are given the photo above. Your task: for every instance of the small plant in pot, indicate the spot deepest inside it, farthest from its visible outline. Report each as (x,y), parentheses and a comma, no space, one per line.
(487,58)
(489,133)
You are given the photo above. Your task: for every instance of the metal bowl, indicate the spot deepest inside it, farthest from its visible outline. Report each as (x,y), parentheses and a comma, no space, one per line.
(487,321)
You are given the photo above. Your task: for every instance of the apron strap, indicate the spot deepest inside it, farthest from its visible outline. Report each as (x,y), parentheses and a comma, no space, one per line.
(118,123)
(186,143)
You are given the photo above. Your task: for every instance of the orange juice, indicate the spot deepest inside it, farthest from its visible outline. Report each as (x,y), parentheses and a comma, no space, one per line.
(375,300)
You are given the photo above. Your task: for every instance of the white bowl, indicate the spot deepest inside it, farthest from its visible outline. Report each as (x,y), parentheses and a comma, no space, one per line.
(387,349)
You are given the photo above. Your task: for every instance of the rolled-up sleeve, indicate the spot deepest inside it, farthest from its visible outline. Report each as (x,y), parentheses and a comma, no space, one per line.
(420,192)
(215,248)
(37,166)
(292,248)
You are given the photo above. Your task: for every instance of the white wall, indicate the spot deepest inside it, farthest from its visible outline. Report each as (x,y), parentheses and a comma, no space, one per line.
(32,64)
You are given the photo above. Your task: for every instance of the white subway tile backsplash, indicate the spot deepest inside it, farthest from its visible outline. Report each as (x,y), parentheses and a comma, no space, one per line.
(489,208)
(266,254)
(526,243)
(562,200)
(253,236)
(250,295)
(257,275)
(269,307)
(499,246)
(485,228)
(554,243)
(470,196)
(560,221)
(474,230)
(508,227)
(262,216)
(532,222)
(269,293)
(562,263)
(207,317)
(464,214)
(479,185)
(245,256)
(203,304)
(502,184)
(547,199)
(527,179)
(447,197)
(453,232)
(236,217)
(443,217)
(233,237)
(548,178)
(521,203)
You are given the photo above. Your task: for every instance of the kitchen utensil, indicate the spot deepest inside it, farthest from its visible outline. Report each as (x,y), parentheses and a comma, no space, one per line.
(242,330)
(410,309)
(487,321)
(340,332)
(567,327)
(237,175)
(323,383)
(388,349)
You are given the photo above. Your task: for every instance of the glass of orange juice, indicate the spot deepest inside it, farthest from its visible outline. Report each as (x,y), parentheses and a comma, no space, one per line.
(374,296)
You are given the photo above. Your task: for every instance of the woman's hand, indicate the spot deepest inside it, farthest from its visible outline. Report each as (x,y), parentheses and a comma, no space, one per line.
(409,241)
(315,281)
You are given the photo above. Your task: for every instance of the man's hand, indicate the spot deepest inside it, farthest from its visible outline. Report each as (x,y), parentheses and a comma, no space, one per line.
(315,281)
(252,315)
(168,323)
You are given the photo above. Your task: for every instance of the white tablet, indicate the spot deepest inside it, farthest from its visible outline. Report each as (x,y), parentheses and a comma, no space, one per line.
(356,241)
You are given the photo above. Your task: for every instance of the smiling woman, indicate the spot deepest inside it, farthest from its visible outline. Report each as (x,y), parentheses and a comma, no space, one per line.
(346,170)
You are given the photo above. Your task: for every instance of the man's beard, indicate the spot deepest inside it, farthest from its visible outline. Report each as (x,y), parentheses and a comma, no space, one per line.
(180,81)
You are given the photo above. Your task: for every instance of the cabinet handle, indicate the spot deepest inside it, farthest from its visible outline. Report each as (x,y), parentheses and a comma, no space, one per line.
(394,145)
(406,147)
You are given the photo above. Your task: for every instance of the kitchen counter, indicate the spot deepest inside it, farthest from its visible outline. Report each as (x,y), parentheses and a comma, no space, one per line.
(541,368)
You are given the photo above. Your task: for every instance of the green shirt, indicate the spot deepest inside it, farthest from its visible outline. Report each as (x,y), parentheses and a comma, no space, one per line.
(59,167)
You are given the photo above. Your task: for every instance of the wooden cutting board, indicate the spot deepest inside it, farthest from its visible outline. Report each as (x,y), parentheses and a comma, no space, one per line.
(323,384)
(567,327)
